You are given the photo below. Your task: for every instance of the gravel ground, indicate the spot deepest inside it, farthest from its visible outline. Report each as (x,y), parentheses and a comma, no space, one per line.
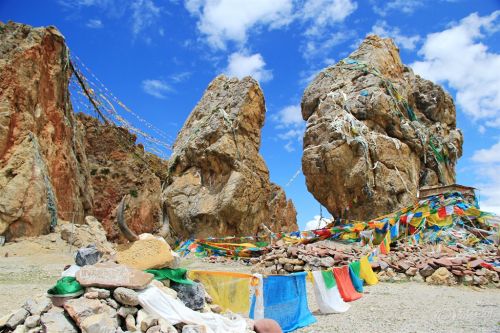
(30,268)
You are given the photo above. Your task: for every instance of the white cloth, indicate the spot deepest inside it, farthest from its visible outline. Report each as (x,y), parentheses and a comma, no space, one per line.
(155,301)
(71,271)
(329,300)
(258,292)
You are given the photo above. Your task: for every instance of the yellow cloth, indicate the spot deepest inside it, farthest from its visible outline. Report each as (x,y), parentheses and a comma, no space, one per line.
(229,290)
(434,219)
(366,271)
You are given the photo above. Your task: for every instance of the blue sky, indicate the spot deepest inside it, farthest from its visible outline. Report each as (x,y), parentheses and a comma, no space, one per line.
(158,57)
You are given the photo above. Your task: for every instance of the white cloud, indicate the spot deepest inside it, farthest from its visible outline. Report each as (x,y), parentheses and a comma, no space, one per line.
(487,166)
(289,116)
(94,24)
(156,88)
(241,65)
(288,121)
(179,77)
(317,223)
(320,14)
(382,29)
(457,56)
(144,15)
(405,6)
(223,21)
(229,20)
(490,155)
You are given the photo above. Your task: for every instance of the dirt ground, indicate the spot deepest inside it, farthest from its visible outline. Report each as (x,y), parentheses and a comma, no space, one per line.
(30,268)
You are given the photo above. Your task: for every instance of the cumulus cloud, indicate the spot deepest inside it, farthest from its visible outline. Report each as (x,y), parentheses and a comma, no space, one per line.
(457,57)
(288,121)
(156,88)
(317,223)
(223,21)
(94,24)
(382,29)
(229,20)
(241,65)
(486,162)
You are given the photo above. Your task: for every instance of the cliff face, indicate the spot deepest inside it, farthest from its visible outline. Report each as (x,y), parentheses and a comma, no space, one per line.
(376,132)
(43,167)
(218,183)
(119,167)
(54,164)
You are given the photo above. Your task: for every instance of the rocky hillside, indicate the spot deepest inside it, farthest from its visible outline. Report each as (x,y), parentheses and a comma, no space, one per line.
(53,164)
(56,165)
(376,132)
(119,167)
(219,184)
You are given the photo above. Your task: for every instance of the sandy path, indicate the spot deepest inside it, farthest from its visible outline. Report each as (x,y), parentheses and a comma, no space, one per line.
(386,307)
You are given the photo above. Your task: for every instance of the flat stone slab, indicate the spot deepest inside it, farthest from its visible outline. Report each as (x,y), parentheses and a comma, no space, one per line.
(111,275)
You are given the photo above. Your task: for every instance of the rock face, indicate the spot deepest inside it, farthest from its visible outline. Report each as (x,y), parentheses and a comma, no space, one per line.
(218,182)
(54,164)
(118,167)
(376,132)
(43,170)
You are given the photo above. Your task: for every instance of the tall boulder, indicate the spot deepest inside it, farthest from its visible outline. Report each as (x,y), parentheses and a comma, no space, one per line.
(118,167)
(218,182)
(376,132)
(43,167)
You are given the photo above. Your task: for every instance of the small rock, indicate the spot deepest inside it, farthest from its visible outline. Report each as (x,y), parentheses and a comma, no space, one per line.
(148,322)
(56,321)
(154,329)
(412,271)
(327,261)
(112,303)
(124,311)
(130,323)
(193,296)
(99,323)
(194,329)
(215,308)
(89,255)
(426,271)
(32,321)
(20,329)
(91,295)
(101,293)
(468,280)
(441,277)
(166,327)
(38,306)
(126,296)
(17,318)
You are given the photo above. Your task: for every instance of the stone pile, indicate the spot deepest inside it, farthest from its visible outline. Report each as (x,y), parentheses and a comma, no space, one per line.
(447,265)
(297,258)
(110,303)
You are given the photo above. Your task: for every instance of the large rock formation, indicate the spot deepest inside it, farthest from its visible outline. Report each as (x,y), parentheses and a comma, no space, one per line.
(375,133)
(53,165)
(119,167)
(218,182)
(43,170)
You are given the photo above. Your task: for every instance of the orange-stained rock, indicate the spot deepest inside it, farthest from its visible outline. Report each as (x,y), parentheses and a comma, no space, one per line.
(43,167)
